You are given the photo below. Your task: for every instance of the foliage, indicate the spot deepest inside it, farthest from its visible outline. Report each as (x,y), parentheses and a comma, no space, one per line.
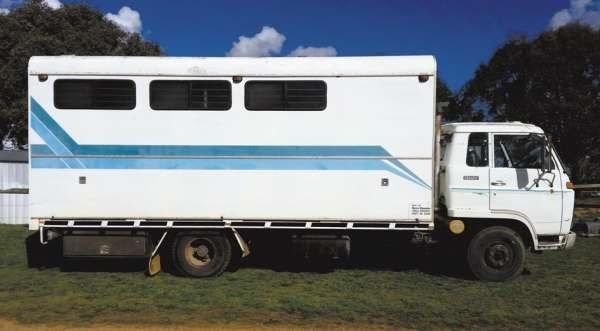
(455,111)
(35,29)
(552,81)
(462,110)
(587,169)
(443,92)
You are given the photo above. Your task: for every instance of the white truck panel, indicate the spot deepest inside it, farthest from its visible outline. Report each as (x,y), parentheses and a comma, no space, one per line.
(238,164)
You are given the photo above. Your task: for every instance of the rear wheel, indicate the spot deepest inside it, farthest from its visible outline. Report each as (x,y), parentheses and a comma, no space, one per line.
(496,254)
(201,254)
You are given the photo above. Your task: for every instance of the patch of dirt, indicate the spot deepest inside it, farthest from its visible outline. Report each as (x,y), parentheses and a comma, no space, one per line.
(15,326)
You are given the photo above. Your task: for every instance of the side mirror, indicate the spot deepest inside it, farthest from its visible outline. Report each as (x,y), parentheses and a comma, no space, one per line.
(545,158)
(547,162)
(544,147)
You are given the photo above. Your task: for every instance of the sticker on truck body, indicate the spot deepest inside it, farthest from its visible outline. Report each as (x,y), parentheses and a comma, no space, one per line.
(418,210)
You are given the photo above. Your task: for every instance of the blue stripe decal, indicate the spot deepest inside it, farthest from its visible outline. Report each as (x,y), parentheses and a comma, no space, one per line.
(54,144)
(50,123)
(401,166)
(233,150)
(231,164)
(58,142)
(41,150)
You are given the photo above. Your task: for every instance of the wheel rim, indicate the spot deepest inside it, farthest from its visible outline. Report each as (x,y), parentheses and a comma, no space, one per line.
(199,252)
(499,255)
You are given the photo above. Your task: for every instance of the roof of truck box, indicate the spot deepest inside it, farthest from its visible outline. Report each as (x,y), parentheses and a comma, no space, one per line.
(233,66)
(513,127)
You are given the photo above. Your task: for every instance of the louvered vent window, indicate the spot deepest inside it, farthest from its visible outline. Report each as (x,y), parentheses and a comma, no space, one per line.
(307,95)
(190,95)
(116,94)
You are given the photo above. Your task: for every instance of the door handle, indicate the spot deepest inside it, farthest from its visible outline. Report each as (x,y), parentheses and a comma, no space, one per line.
(498,183)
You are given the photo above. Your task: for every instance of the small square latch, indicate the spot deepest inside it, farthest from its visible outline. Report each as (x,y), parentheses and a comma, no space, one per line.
(82,179)
(385,182)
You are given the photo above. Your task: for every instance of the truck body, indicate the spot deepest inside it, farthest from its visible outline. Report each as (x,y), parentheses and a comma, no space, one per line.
(195,152)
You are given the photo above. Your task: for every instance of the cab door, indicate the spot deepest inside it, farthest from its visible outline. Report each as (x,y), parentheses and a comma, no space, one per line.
(519,186)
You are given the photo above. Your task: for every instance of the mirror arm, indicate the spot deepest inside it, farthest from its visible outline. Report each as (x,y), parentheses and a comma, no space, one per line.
(548,146)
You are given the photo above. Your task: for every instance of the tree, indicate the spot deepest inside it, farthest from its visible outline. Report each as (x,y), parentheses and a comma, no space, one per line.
(456,110)
(552,81)
(442,92)
(35,29)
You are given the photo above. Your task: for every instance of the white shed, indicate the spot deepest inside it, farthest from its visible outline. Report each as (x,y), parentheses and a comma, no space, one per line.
(14,187)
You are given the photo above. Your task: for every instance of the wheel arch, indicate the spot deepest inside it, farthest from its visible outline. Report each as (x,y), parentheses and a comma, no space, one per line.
(522,228)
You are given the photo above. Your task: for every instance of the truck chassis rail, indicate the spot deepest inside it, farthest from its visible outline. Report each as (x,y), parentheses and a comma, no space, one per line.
(234,224)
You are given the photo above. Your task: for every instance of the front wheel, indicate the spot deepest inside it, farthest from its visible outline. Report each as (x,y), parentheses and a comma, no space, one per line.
(496,254)
(201,254)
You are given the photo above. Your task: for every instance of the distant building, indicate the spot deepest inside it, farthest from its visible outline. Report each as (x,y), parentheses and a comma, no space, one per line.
(14,187)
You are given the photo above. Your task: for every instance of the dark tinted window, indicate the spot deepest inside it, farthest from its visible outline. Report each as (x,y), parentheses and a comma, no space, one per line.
(517,151)
(190,95)
(286,95)
(94,94)
(477,150)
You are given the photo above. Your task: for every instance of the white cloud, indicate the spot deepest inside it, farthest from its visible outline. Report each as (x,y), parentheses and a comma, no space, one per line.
(582,11)
(268,42)
(5,6)
(127,20)
(265,43)
(53,4)
(314,51)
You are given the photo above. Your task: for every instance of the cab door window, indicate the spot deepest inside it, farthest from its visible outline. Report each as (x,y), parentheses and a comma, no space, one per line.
(477,150)
(518,151)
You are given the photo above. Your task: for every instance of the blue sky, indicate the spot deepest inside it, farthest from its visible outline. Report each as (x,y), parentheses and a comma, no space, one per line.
(461,34)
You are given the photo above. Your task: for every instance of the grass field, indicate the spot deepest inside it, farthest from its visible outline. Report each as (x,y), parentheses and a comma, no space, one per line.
(559,290)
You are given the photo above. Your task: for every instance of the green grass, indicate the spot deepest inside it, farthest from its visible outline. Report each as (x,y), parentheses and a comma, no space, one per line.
(560,291)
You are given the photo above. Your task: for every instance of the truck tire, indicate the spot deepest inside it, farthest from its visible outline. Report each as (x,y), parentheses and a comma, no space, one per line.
(496,254)
(200,254)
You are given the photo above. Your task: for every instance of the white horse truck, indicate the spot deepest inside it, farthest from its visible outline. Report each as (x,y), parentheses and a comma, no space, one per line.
(130,154)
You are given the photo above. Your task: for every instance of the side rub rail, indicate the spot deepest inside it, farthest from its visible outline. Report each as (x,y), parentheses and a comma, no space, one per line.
(235,224)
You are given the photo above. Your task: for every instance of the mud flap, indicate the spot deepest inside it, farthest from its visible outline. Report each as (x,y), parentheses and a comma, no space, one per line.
(243,246)
(154,266)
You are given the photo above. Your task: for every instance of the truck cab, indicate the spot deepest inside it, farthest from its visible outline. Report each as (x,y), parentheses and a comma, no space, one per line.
(505,175)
